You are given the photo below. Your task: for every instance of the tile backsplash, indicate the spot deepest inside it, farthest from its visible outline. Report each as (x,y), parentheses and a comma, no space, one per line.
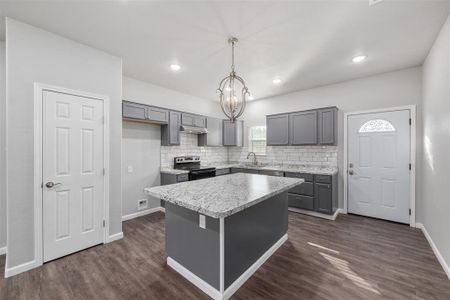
(325,156)
(188,146)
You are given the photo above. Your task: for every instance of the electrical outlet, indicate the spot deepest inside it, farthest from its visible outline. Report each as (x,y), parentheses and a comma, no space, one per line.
(130,169)
(202,221)
(142,204)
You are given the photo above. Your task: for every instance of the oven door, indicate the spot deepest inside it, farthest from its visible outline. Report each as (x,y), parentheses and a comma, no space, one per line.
(201,174)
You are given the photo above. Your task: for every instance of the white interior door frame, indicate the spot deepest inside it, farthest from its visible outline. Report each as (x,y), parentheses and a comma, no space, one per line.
(412,177)
(39,89)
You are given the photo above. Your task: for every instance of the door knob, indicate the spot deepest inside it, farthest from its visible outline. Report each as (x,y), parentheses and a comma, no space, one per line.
(52,184)
(350,172)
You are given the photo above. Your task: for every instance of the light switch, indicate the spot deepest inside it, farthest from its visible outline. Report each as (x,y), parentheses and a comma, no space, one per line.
(202,221)
(130,169)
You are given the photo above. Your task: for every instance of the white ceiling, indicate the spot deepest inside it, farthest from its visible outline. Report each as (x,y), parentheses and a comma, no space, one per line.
(305,43)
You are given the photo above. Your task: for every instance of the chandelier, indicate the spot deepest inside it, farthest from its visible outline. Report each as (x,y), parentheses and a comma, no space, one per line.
(232,90)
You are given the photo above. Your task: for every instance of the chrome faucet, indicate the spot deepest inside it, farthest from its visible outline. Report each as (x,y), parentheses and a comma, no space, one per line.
(255,162)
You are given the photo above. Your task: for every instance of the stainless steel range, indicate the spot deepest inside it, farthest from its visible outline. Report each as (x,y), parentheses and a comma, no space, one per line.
(192,164)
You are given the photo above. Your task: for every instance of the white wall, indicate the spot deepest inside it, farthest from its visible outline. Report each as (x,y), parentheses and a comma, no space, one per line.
(146,93)
(141,150)
(146,160)
(385,90)
(435,206)
(34,55)
(2,145)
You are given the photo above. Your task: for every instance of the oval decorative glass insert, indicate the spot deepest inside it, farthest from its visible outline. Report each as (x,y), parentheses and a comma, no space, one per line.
(376,125)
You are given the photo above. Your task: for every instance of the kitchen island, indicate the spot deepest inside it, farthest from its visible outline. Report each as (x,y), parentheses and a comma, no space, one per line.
(220,230)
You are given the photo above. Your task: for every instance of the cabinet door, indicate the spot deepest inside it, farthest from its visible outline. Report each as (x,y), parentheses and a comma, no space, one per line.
(303,128)
(214,135)
(200,121)
(327,126)
(299,201)
(187,119)
(324,198)
(277,130)
(233,133)
(158,115)
(174,128)
(134,111)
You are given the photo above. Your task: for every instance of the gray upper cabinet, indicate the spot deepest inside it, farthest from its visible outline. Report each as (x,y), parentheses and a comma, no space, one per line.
(170,133)
(277,130)
(327,126)
(134,111)
(214,137)
(303,128)
(141,112)
(157,115)
(233,133)
(193,120)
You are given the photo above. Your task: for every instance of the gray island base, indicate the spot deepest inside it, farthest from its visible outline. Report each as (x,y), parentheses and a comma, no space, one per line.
(220,230)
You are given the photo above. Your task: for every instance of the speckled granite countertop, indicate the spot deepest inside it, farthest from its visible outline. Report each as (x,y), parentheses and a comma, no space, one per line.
(284,168)
(222,196)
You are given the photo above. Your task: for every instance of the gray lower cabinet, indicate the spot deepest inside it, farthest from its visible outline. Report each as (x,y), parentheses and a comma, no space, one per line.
(167,178)
(277,130)
(170,133)
(233,133)
(193,120)
(220,172)
(303,128)
(327,120)
(318,193)
(214,137)
(272,173)
(244,170)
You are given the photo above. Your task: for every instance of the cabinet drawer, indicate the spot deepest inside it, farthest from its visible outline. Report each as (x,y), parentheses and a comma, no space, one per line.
(182,177)
(271,173)
(158,115)
(323,178)
(303,202)
(307,177)
(306,188)
(222,171)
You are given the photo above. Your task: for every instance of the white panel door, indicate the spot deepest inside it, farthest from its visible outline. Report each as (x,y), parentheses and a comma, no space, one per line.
(72,130)
(378,165)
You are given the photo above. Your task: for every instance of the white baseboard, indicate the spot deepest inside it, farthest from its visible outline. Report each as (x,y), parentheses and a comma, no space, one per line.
(3,250)
(194,279)
(435,249)
(20,268)
(142,213)
(316,214)
(213,292)
(115,237)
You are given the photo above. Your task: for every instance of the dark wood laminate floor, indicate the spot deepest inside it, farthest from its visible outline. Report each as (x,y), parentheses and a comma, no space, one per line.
(351,258)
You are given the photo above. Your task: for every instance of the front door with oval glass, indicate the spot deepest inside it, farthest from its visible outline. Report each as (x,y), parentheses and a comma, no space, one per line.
(72,171)
(378,165)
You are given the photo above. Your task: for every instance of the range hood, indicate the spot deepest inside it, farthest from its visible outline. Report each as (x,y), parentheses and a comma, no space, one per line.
(193,129)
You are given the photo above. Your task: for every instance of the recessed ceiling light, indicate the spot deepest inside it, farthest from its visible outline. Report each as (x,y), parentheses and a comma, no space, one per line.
(175,67)
(359,58)
(276,81)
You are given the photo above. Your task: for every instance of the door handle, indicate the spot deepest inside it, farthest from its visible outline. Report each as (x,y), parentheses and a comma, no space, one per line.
(350,172)
(52,184)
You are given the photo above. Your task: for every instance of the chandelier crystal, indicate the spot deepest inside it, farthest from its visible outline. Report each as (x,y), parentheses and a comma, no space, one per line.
(232,90)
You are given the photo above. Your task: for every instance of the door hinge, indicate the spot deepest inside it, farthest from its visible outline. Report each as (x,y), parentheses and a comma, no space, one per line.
(410,211)
(410,121)
(104,223)
(410,166)
(104,171)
